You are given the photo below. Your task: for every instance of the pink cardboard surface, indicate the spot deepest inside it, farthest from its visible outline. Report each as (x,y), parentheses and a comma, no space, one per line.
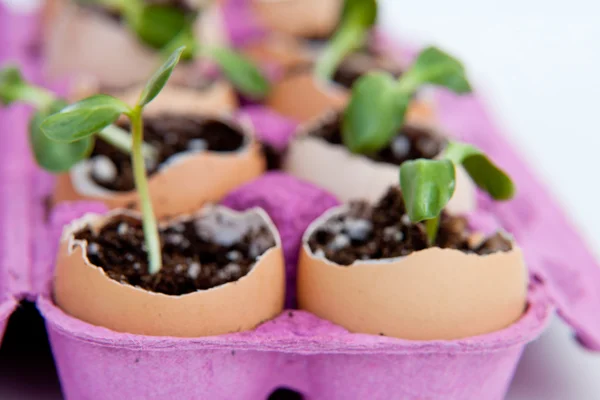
(15,190)
(296,350)
(292,205)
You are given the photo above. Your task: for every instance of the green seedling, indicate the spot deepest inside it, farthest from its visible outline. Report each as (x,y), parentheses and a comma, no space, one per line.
(239,70)
(379,102)
(166,28)
(80,121)
(154,24)
(428,185)
(358,16)
(54,156)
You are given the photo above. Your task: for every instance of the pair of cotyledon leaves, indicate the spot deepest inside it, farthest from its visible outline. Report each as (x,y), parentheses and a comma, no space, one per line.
(376,112)
(61,135)
(166,28)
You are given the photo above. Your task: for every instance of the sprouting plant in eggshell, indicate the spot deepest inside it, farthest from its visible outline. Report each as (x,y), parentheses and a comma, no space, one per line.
(165,28)
(358,17)
(428,185)
(238,69)
(379,102)
(80,121)
(154,24)
(55,156)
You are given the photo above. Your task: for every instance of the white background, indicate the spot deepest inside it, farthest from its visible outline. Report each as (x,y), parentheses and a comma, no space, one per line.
(538,63)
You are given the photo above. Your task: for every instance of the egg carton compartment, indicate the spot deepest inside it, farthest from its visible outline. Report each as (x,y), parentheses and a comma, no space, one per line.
(296,350)
(16,231)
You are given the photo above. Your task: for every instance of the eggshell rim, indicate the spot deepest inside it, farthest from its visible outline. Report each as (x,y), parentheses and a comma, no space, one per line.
(335,211)
(79,177)
(99,220)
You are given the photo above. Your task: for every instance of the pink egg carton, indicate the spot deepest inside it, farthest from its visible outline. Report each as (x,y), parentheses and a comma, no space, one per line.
(296,350)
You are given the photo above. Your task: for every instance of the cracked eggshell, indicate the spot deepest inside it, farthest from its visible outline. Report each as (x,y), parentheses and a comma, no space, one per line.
(281,52)
(80,40)
(432,294)
(303,18)
(210,23)
(181,185)
(217,98)
(84,291)
(350,176)
(304,98)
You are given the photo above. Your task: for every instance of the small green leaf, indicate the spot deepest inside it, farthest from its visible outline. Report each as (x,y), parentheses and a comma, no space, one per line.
(433,66)
(362,13)
(14,88)
(160,78)
(375,113)
(83,118)
(55,156)
(157,25)
(244,75)
(482,170)
(10,82)
(358,16)
(427,186)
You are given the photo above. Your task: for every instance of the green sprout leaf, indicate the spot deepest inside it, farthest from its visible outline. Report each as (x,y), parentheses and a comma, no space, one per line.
(482,170)
(157,25)
(427,186)
(83,118)
(10,82)
(358,16)
(51,155)
(378,105)
(360,12)
(13,88)
(160,78)
(373,115)
(436,67)
(244,75)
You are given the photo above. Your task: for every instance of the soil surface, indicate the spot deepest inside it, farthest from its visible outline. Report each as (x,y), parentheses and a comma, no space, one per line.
(409,144)
(198,254)
(359,63)
(170,134)
(384,230)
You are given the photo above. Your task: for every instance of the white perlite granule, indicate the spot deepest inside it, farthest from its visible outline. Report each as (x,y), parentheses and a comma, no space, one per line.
(339,242)
(197,145)
(103,169)
(400,146)
(194,270)
(358,229)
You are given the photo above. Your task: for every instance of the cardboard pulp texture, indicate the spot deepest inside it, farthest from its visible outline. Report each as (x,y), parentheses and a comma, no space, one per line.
(295,350)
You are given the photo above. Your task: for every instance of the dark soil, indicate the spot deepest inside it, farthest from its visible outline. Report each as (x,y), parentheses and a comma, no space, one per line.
(170,134)
(409,144)
(273,157)
(369,232)
(199,254)
(361,62)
